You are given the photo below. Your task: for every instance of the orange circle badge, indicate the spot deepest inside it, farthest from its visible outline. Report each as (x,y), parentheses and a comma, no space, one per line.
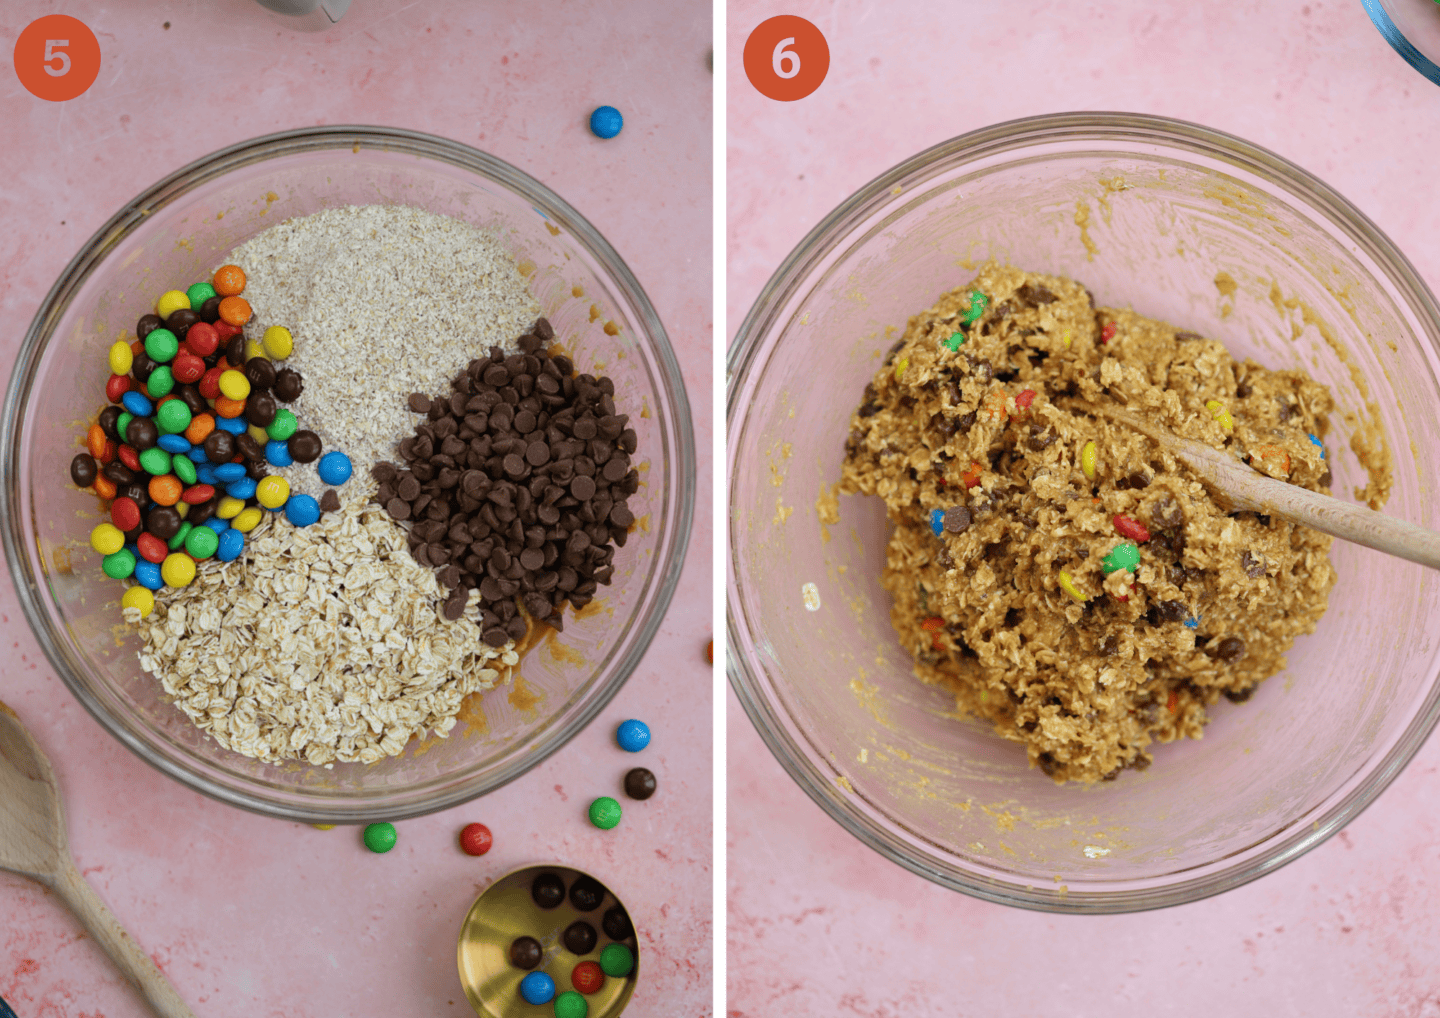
(786,58)
(57,57)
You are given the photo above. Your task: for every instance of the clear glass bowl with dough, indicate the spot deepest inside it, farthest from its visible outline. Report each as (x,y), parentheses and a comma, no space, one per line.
(172,234)
(1184,224)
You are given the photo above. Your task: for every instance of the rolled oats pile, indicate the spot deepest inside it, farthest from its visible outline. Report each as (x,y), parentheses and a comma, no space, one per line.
(321,643)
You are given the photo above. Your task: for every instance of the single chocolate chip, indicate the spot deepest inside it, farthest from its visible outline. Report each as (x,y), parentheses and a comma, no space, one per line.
(494,637)
(398,509)
(288,385)
(329,501)
(419,403)
(219,446)
(408,488)
(383,472)
(639,784)
(1254,567)
(1230,649)
(163,521)
(543,329)
(621,516)
(526,952)
(516,628)
(455,606)
(235,349)
(260,409)
(583,488)
(616,924)
(209,312)
(83,470)
(615,469)
(304,446)
(109,421)
(261,373)
(146,325)
(957,519)
(1325,479)
(586,894)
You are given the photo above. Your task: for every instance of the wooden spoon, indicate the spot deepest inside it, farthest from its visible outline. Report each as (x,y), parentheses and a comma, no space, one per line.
(33,844)
(1247,488)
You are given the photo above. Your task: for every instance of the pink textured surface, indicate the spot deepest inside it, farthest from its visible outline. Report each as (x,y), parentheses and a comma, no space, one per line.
(256,917)
(819,924)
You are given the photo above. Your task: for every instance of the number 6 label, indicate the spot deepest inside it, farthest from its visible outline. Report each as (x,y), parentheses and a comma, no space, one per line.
(786,58)
(57,57)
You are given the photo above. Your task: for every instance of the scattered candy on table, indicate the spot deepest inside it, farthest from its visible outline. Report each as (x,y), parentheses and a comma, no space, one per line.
(633,735)
(606,122)
(537,988)
(616,960)
(605,813)
(475,839)
(639,783)
(380,838)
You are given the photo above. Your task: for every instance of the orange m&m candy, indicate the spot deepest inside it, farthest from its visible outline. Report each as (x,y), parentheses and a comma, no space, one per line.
(235,311)
(229,280)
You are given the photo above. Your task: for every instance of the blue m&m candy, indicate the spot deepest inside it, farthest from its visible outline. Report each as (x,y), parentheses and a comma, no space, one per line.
(302,510)
(334,468)
(537,988)
(606,122)
(633,735)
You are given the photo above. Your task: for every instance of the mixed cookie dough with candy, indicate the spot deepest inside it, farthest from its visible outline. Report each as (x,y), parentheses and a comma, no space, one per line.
(1062,576)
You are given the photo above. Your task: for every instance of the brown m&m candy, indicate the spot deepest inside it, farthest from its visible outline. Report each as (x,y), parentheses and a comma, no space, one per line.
(525,953)
(304,446)
(580,937)
(639,783)
(586,894)
(548,890)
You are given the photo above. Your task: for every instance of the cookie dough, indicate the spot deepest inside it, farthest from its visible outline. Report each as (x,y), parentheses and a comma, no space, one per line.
(1084,593)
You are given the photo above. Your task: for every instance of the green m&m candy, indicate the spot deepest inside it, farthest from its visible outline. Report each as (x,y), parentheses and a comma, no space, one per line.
(379,837)
(201,543)
(571,1005)
(605,812)
(176,542)
(199,294)
(184,468)
(1125,555)
(283,426)
(616,960)
(119,565)
(161,382)
(156,461)
(172,418)
(162,345)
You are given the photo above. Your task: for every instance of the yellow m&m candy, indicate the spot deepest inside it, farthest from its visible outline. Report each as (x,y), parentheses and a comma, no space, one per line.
(170,302)
(138,597)
(178,569)
(107,539)
(272,492)
(278,342)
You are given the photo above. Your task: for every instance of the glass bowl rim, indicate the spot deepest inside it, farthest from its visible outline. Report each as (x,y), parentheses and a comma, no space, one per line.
(823,241)
(299,141)
(1385,24)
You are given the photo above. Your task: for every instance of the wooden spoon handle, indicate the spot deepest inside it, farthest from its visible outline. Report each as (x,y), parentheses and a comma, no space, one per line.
(134,964)
(1249,489)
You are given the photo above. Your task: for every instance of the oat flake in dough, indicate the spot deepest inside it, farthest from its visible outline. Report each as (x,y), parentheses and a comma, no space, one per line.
(1085,688)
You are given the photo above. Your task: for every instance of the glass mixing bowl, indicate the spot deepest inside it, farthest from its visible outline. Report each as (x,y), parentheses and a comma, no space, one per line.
(1184,224)
(174,233)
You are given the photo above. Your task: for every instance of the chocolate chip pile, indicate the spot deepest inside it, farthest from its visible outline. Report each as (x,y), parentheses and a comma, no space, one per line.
(516,485)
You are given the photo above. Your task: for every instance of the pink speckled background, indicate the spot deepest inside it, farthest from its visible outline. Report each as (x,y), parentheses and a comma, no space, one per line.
(263,919)
(819,924)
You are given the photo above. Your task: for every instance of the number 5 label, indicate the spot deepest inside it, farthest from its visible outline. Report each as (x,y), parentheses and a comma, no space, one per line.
(57,58)
(786,58)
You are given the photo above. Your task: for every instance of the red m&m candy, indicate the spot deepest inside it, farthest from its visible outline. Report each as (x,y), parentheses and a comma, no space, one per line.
(117,386)
(152,549)
(124,513)
(587,977)
(475,839)
(130,456)
(203,339)
(210,383)
(187,368)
